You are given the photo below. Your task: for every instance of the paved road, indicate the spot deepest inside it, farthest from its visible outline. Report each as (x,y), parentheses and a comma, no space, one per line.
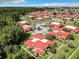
(73,53)
(60,47)
(57,50)
(50,56)
(28,52)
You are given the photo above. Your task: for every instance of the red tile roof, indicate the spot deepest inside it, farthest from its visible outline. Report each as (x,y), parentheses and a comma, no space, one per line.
(58,29)
(62,34)
(77,30)
(38,51)
(52,33)
(55,24)
(29,43)
(72,28)
(40,44)
(26,27)
(51,42)
(40,15)
(40,36)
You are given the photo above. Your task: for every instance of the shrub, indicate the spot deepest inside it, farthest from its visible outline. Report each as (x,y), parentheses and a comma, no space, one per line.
(61,57)
(50,37)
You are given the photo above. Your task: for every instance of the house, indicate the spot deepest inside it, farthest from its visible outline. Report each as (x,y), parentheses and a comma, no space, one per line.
(58,29)
(40,15)
(37,45)
(26,28)
(39,36)
(21,23)
(68,18)
(30,16)
(61,35)
(72,28)
(55,24)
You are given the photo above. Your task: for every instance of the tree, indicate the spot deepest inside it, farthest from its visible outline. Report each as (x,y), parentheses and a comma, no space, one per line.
(70,44)
(50,37)
(66,50)
(71,37)
(53,49)
(11,36)
(77,24)
(2,24)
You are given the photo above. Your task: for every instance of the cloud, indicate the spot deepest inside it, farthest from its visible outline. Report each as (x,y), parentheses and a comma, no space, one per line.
(60,4)
(56,5)
(14,1)
(18,1)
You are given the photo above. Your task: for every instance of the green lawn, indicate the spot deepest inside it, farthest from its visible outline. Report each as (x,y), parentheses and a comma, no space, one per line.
(70,50)
(76,41)
(36,21)
(43,56)
(75,54)
(72,23)
(62,50)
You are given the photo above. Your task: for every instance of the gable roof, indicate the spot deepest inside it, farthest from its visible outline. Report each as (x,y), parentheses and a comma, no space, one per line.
(58,29)
(26,27)
(55,24)
(35,39)
(62,34)
(70,27)
(39,44)
(38,51)
(40,36)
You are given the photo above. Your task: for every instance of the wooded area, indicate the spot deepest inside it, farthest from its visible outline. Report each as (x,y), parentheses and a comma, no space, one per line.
(11,36)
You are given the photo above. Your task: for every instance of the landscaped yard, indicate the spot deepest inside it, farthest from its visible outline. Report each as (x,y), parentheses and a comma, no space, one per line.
(72,22)
(36,21)
(67,51)
(63,51)
(44,56)
(76,54)
(76,41)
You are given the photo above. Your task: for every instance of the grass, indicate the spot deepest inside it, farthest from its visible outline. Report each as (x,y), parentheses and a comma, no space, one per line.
(43,56)
(35,21)
(70,50)
(76,41)
(53,57)
(75,54)
(72,23)
(61,51)
(58,42)
(26,49)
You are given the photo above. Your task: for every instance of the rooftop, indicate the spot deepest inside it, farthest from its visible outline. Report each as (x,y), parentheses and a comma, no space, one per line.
(71,27)
(39,44)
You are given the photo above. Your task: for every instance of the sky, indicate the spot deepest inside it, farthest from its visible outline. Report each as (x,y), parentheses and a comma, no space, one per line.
(39,3)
